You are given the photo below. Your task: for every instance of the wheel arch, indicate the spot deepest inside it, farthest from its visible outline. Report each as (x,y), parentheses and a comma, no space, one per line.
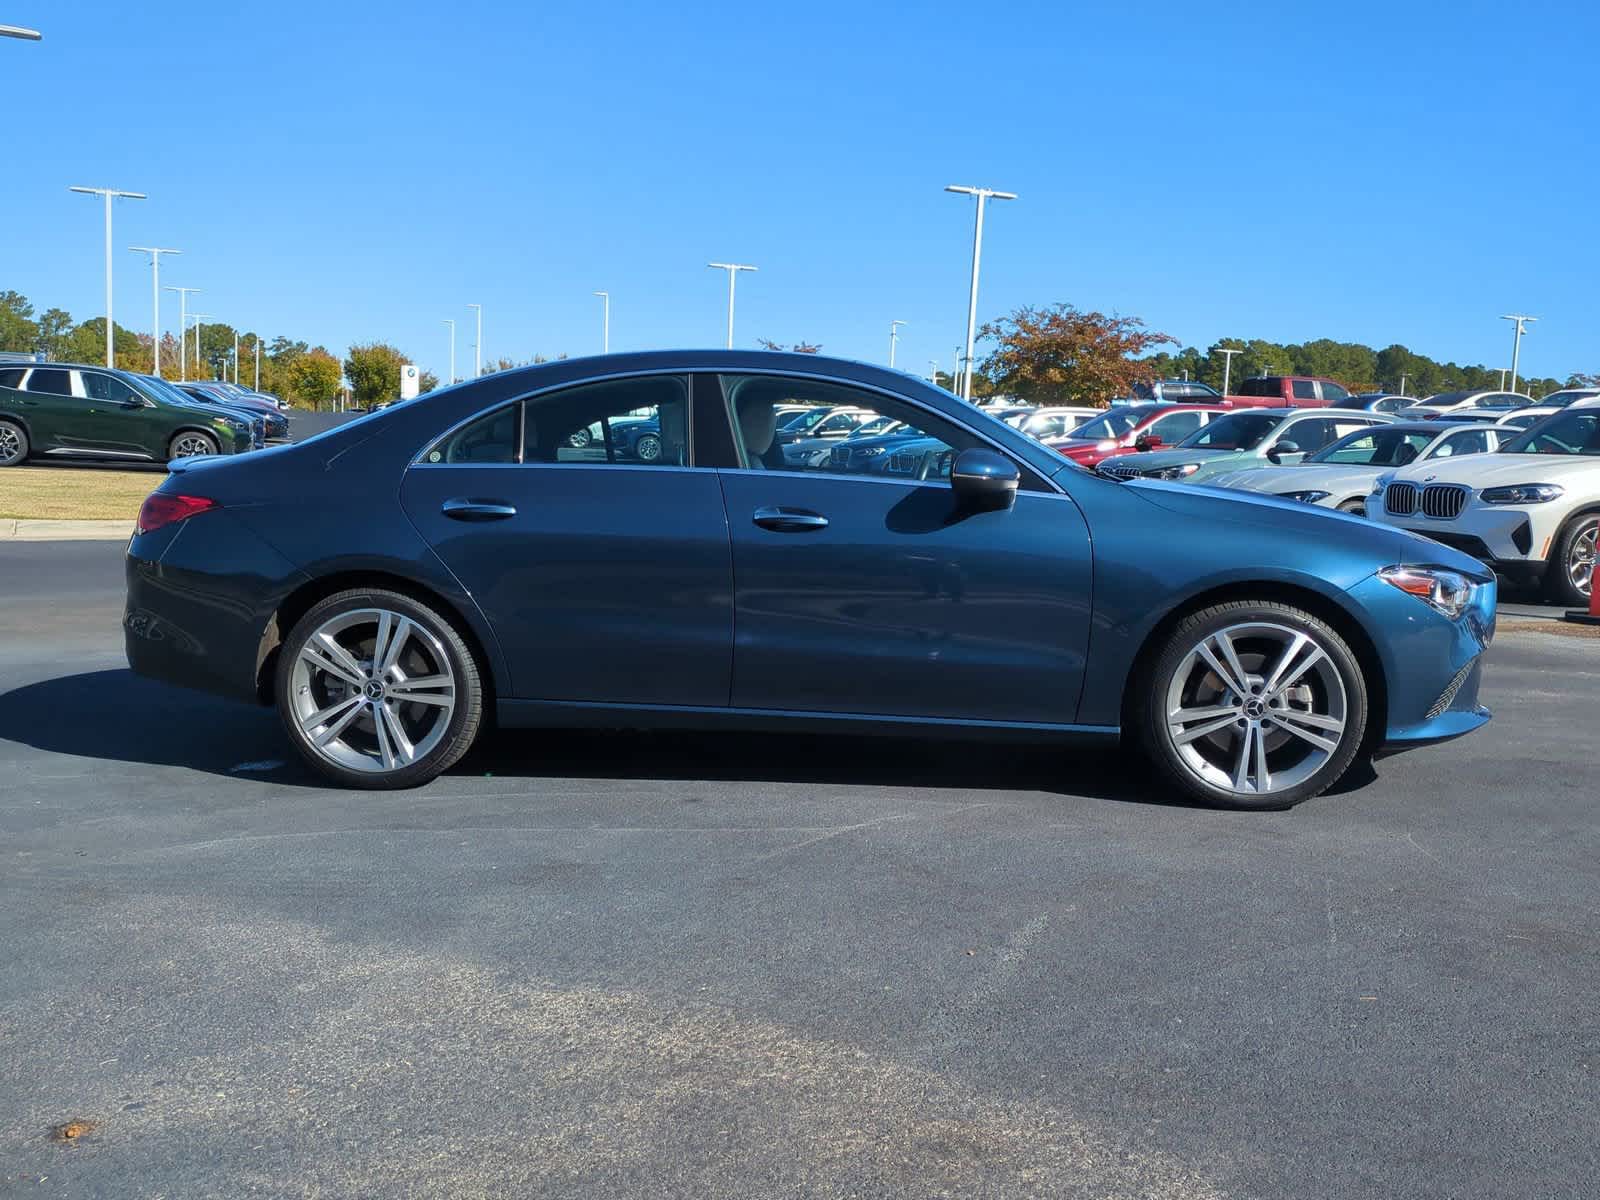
(1319,604)
(300,601)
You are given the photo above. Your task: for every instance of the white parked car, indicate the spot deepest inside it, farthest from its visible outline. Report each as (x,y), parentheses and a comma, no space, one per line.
(1341,475)
(1530,511)
(1460,403)
(1526,418)
(1568,396)
(1053,421)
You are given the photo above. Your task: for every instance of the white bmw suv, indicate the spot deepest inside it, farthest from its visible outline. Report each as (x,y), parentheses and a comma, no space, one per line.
(1530,511)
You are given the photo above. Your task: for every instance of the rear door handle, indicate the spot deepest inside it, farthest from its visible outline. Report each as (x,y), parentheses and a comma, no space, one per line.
(461,509)
(781,519)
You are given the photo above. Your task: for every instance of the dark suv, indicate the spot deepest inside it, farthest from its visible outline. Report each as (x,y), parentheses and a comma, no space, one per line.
(67,410)
(1175,391)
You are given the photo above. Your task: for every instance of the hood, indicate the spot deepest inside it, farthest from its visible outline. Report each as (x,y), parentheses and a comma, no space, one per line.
(202,408)
(1492,470)
(1150,460)
(1313,523)
(1323,477)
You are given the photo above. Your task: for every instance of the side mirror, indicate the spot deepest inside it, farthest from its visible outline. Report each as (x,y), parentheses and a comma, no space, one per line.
(983,479)
(1284,449)
(1146,441)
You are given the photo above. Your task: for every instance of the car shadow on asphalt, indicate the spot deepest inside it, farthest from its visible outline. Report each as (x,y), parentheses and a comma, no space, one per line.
(118,716)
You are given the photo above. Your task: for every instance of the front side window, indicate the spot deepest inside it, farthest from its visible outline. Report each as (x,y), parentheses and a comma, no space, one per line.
(103,387)
(1112,425)
(1235,431)
(50,383)
(1566,433)
(1334,393)
(1173,428)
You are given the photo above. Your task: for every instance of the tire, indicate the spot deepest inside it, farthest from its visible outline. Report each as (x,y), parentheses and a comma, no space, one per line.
(191,443)
(329,694)
(13,444)
(1309,732)
(579,439)
(648,448)
(1356,508)
(1571,568)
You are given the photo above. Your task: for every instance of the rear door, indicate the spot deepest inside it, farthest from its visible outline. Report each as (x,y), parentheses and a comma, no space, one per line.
(868,590)
(607,579)
(53,415)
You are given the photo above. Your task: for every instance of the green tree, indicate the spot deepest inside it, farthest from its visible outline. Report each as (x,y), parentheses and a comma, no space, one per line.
(427,381)
(373,370)
(19,332)
(311,379)
(1060,354)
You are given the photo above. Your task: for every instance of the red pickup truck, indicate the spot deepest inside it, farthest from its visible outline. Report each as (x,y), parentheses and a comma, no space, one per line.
(1288,391)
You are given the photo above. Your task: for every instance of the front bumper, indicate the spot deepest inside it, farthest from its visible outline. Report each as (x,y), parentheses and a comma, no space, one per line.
(1433,665)
(1500,535)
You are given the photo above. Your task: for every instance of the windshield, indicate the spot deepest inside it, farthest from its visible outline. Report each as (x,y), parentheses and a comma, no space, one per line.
(1235,431)
(875,426)
(166,391)
(1110,425)
(1565,433)
(1375,448)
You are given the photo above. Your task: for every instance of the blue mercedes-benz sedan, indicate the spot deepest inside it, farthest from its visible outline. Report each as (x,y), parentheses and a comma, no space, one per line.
(397,583)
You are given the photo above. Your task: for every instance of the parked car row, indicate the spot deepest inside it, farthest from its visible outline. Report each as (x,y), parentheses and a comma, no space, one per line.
(70,410)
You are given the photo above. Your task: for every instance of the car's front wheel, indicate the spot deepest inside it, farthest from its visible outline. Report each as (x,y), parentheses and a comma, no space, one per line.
(191,443)
(1254,705)
(13,444)
(377,690)
(1571,571)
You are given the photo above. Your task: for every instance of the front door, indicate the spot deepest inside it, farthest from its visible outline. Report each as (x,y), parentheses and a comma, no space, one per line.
(867,590)
(606,579)
(115,418)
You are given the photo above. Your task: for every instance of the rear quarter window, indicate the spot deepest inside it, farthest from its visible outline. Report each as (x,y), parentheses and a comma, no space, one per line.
(11,377)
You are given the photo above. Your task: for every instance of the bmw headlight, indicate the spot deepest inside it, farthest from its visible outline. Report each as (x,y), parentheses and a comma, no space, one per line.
(1183,472)
(1521,493)
(1305,497)
(869,452)
(1448,592)
(1379,484)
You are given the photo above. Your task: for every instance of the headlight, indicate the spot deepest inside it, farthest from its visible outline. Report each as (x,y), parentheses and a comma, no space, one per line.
(1182,472)
(1445,591)
(1380,484)
(1305,497)
(1521,493)
(869,452)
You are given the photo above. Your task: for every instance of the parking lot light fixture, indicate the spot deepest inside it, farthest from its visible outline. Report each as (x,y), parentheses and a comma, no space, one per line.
(983,195)
(109,194)
(155,253)
(183,329)
(605,323)
(257,337)
(894,338)
(733,270)
(199,320)
(1521,320)
(18,32)
(933,371)
(477,345)
(450,321)
(1227,367)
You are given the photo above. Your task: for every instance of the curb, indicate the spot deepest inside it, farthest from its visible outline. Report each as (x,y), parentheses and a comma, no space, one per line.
(64,531)
(1579,616)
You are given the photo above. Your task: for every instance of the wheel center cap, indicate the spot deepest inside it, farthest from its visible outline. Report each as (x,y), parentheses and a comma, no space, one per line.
(375,689)
(1254,709)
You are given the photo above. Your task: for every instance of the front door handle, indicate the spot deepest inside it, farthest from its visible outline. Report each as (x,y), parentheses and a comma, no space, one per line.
(781,519)
(462,509)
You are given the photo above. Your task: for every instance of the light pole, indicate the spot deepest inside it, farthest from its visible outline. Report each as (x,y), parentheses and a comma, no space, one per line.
(155,253)
(199,320)
(894,337)
(605,324)
(17,31)
(450,321)
(257,387)
(183,329)
(955,372)
(477,346)
(733,270)
(933,377)
(110,194)
(983,195)
(1516,342)
(1227,367)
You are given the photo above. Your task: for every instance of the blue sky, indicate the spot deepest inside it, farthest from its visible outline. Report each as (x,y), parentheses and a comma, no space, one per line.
(343,171)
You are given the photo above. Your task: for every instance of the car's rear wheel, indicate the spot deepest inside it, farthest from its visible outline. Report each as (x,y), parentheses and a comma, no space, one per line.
(13,444)
(1254,705)
(377,690)
(648,448)
(192,443)
(1570,573)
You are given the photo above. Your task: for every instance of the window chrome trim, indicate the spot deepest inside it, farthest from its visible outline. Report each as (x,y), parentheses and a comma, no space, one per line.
(689,370)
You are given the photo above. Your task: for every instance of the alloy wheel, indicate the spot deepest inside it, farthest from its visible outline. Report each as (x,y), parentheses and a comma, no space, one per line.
(648,448)
(10,445)
(1256,708)
(1580,557)
(189,445)
(372,690)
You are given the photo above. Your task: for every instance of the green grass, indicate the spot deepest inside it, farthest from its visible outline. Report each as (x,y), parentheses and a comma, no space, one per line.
(63,493)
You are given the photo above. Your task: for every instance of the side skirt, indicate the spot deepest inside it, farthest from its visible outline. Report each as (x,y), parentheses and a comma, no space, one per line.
(578,714)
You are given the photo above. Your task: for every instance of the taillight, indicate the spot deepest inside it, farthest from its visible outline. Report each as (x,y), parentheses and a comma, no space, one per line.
(161,509)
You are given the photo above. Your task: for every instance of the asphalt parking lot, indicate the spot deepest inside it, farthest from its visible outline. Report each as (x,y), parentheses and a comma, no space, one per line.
(631,965)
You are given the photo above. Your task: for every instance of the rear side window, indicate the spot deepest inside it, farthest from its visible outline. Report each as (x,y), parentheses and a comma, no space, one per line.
(1304,389)
(1261,387)
(50,383)
(11,377)
(1311,436)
